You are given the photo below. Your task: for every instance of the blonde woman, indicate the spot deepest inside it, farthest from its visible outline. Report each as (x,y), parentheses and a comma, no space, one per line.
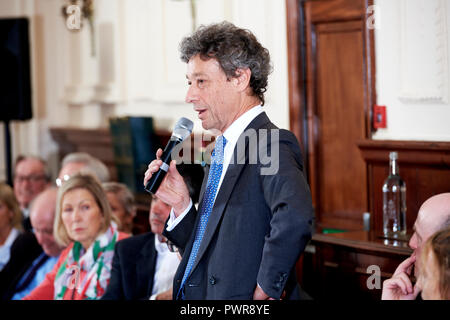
(10,222)
(85,224)
(434,278)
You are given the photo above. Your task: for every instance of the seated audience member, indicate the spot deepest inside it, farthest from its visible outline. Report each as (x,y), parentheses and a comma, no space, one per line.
(81,162)
(143,266)
(23,252)
(42,215)
(122,204)
(30,178)
(10,222)
(434,215)
(434,277)
(85,225)
(434,261)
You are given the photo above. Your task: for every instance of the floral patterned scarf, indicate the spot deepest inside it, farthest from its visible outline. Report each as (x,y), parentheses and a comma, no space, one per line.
(92,267)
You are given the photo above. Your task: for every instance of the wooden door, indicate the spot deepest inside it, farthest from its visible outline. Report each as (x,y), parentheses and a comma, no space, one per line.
(331,98)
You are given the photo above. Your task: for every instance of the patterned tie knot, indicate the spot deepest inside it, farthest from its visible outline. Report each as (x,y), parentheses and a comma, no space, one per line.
(217,154)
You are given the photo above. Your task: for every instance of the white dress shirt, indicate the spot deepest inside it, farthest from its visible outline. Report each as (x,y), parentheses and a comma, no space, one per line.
(232,135)
(166,266)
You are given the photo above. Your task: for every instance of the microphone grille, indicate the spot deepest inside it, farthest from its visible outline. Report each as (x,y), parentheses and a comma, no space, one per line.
(183,128)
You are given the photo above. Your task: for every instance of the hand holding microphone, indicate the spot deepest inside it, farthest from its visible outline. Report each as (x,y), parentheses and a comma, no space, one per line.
(173,189)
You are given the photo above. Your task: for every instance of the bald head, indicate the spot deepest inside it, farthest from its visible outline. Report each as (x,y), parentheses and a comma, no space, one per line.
(434,215)
(71,169)
(81,162)
(42,215)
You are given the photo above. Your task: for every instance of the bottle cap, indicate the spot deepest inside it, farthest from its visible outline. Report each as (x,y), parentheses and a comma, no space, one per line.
(393,155)
(366,221)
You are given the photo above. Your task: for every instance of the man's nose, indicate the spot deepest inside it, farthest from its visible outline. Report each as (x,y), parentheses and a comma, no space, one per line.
(191,95)
(26,183)
(413,242)
(38,237)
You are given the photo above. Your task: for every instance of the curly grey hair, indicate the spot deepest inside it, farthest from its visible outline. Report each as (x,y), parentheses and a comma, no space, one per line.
(234,48)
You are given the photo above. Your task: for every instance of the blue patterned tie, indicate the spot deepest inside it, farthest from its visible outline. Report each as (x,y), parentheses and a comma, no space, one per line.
(208,201)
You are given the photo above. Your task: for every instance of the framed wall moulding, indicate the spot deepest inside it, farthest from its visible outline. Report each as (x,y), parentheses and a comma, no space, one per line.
(424,52)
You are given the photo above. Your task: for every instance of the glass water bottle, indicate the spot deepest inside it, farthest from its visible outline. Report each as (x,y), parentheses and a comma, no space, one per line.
(394,201)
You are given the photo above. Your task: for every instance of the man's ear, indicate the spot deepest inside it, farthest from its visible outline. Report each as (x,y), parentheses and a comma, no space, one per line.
(242,79)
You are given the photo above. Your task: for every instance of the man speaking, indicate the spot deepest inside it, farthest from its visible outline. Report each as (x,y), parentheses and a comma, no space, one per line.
(252,224)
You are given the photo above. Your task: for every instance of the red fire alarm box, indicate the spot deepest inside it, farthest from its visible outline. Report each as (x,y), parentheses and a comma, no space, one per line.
(379,117)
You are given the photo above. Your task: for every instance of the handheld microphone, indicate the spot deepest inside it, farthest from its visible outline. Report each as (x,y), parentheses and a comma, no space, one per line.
(182,130)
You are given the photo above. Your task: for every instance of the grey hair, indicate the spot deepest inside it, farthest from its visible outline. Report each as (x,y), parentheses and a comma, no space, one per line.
(93,165)
(234,48)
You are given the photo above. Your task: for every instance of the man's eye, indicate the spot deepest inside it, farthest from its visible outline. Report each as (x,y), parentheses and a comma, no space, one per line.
(189,83)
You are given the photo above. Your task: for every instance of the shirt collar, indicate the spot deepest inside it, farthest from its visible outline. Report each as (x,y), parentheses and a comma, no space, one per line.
(238,126)
(161,247)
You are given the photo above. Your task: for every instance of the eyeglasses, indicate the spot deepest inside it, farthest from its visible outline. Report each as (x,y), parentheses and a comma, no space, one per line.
(30,178)
(59,182)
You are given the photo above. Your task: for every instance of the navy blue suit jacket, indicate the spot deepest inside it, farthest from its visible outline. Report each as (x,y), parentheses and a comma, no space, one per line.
(258,227)
(133,268)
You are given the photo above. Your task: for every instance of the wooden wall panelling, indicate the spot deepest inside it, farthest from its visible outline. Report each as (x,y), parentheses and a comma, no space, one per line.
(96,142)
(339,120)
(423,165)
(338,266)
(296,69)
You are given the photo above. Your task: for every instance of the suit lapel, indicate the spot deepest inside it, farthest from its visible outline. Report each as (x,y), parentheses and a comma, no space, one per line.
(233,172)
(203,188)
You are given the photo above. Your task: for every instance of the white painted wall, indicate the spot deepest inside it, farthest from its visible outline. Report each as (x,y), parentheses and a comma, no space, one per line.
(412,63)
(136,69)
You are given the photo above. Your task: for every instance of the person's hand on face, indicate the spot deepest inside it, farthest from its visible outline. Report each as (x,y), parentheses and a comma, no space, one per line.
(400,287)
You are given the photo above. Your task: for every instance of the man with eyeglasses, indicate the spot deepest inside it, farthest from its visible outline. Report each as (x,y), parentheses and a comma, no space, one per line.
(28,266)
(30,179)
